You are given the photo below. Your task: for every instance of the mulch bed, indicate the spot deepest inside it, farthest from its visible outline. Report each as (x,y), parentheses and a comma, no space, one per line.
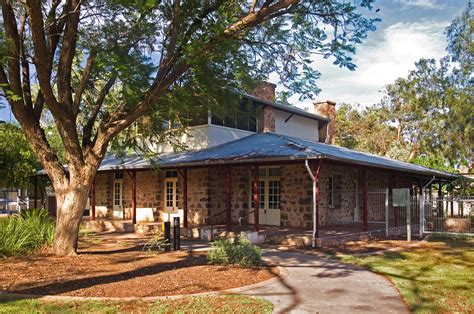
(111,268)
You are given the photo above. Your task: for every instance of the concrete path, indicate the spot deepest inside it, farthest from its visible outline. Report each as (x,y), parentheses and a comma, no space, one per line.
(319,285)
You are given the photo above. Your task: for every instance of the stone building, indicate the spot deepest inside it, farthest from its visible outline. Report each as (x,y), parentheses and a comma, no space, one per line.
(275,167)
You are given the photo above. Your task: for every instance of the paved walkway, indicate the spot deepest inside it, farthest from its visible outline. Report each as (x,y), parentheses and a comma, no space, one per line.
(319,285)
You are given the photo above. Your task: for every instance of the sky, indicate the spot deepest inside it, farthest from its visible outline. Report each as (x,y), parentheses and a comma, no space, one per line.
(409,30)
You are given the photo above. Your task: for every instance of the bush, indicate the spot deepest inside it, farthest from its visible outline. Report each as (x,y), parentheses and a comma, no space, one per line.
(157,242)
(30,230)
(242,253)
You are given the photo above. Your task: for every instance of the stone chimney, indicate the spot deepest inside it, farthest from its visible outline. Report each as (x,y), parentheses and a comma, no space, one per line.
(326,109)
(266,120)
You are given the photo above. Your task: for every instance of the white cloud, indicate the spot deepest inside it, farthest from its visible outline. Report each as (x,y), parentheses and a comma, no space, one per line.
(427,4)
(382,59)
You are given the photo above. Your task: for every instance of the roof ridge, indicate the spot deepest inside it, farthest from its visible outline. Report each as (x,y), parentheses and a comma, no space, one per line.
(296,142)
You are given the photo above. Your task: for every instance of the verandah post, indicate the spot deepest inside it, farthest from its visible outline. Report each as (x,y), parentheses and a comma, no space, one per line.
(35,201)
(185,197)
(386,211)
(228,188)
(92,200)
(256,197)
(134,197)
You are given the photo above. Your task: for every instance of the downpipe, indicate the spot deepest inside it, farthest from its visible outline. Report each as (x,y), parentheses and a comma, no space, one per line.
(313,179)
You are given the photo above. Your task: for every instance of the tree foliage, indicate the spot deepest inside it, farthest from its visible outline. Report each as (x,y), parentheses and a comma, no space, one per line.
(427,117)
(17,161)
(96,67)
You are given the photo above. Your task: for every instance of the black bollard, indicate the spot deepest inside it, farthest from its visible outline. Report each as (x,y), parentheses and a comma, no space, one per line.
(176,234)
(167,235)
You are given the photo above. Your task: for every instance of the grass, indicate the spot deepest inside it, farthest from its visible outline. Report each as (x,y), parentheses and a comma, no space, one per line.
(435,278)
(206,304)
(28,231)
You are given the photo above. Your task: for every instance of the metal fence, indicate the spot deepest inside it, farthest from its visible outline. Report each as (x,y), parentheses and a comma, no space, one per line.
(453,214)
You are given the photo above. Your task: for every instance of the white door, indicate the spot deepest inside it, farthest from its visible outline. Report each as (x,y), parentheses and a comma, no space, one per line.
(272,208)
(269,207)
(171,202)
(118,199)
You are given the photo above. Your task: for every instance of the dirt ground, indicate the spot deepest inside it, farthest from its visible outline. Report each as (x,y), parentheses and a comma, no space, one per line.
(117,267)
(371,246)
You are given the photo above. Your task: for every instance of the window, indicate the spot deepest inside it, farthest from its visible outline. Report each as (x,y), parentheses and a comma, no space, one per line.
(274,194)
(118,175)
(242,117)
(118,193)
(331,191)
(171,174)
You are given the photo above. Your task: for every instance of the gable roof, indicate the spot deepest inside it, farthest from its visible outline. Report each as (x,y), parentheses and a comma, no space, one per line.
(263,147)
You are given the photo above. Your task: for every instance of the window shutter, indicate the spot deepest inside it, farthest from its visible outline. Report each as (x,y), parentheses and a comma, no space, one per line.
(337,191)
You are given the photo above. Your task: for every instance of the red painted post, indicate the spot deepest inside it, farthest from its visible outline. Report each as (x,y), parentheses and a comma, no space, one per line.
(35,202)
(185,197)
(316,171)
(256,197)
(93,200)
(365,204)
(228,188)
(134,197)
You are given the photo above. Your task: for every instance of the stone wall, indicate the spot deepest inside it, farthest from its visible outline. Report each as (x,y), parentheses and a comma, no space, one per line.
(296,196)
(206,194)
(344,194)
(198,196)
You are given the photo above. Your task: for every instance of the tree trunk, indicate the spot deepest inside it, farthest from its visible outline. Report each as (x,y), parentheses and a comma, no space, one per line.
(71,202)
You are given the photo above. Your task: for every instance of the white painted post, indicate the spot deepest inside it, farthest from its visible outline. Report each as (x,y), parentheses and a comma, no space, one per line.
(386,212)
(409,219)
(422,213)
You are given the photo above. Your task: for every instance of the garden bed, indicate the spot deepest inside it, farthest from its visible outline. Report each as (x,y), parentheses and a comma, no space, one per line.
(107,267)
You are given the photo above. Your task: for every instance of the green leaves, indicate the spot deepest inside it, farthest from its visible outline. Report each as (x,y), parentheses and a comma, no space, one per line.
(17,161)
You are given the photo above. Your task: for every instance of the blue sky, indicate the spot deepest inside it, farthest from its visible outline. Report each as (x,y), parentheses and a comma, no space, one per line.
(409,30)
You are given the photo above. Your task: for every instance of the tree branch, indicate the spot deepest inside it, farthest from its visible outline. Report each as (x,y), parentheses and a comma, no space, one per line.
(83,83)
(25,66)
(68,50)
(87,131)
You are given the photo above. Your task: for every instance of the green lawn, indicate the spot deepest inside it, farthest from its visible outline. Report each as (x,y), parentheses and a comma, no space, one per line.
(207,304)
(435,278)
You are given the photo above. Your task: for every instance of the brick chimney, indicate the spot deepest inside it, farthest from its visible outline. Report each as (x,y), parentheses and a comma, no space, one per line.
(266,120)
(265,91)
(326,109)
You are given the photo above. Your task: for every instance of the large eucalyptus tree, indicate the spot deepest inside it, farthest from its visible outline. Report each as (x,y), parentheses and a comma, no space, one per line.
(96,66)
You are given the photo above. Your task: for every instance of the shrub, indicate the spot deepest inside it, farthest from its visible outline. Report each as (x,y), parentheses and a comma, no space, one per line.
(242,253)
(156,242)
(30,230)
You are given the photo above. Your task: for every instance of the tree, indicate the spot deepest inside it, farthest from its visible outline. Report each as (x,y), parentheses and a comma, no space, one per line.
(17,161)
(96,67)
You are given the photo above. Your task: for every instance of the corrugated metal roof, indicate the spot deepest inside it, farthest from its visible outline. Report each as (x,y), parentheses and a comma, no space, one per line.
(265,147)
(269,146)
